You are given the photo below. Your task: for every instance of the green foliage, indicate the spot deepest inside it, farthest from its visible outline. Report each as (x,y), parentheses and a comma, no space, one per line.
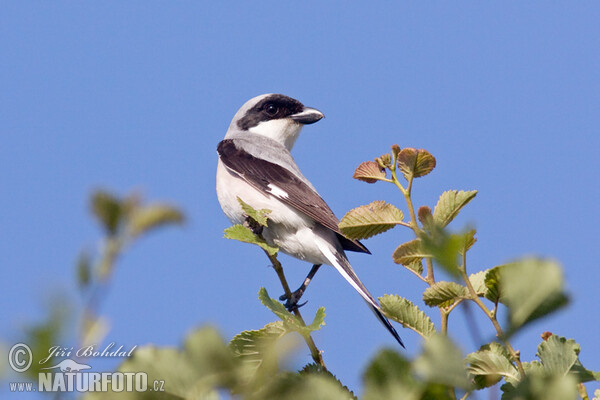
(444,294)
(260,216)
(255,219)
(290,321)
(449,205)
(205,366)
(244,234)
(410,252)
(406,313)
(490,364)
(442,362)
(531,288)
(366,221)
(415,163)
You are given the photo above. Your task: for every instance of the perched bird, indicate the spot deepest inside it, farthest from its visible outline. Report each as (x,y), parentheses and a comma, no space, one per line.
(256,166)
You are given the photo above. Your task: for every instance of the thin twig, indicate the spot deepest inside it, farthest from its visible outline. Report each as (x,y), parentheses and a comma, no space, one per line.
(516,355)
(314,351)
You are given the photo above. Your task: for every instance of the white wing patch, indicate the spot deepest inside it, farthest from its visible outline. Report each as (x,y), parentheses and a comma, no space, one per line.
(277,191)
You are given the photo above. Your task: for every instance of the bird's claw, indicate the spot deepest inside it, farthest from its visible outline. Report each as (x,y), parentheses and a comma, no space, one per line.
(291,302)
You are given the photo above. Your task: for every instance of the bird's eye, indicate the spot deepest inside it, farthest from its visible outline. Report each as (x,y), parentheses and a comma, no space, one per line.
(271,109)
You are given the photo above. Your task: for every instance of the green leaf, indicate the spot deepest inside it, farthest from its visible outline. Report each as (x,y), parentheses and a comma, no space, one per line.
(443,294)
(409,253)
(257,347)
(583,374)
(478,282)
(366,221)
(144,219)
(531,288)
(291,321)
(317,370)
(84,270)
(308,386)
(558,355)
(449,204)
(492,284)
(260,216)
(416,266)
(318,320)
(406,313)
(561,356)
(537,386)
(244,234)
(468,239)
(389,376)
(203,365)
(415,163)
(442,362)
(369,171)
(444,248)
(108,210)
(489,364)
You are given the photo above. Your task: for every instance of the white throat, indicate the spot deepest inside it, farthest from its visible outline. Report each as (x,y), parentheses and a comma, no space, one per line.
(284,131)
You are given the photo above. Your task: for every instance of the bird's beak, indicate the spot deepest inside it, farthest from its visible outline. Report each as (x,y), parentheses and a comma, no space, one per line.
(307,116)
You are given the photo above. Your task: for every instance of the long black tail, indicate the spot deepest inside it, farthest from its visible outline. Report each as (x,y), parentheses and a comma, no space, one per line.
(345,269)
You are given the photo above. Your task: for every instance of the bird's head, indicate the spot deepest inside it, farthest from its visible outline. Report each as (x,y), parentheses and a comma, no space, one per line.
(275,116)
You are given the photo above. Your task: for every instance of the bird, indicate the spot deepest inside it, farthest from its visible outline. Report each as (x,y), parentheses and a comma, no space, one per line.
(256,166)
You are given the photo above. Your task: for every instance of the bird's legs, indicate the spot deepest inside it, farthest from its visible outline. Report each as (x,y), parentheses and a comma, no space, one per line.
(292,302)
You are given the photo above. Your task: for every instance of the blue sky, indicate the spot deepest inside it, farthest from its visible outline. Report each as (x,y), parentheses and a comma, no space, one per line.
(136,96)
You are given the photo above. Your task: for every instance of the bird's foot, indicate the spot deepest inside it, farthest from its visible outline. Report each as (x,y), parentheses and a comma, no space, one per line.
(291,302)
(254,226)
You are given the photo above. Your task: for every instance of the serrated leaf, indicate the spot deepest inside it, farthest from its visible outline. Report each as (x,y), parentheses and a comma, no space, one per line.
(414,163)
(318,320)
(369,171)
(195,371)
(406,313)
(468,239)
(478,282)
(244,234)
(442,362)
(492,284)
(366,221)
(291,321)
(416,266)
(561,356)
(489,364)
(449,205)
(143,219)
(531,288)
(409,253)
(317,370)
(538,386)
(558,354)
(260,216)
(253,347)
(443,294)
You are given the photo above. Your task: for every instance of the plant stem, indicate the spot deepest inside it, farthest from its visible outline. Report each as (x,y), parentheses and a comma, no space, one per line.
(444,319)
(491,315)
(314,351)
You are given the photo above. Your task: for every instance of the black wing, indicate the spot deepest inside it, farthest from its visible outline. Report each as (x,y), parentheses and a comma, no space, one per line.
(260,174)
